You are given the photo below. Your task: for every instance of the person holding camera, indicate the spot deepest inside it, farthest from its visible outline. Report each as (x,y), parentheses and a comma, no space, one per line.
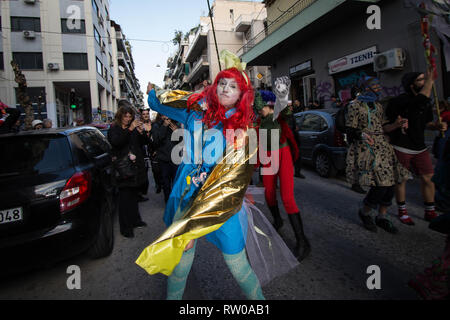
(127,141)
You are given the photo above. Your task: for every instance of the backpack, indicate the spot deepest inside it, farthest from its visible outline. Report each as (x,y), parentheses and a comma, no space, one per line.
(340,118)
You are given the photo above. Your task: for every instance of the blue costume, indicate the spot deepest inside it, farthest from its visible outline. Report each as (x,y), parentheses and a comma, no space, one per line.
(230,238)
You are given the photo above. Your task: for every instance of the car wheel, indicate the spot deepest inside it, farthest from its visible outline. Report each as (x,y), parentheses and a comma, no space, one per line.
(104,242)
(324,166)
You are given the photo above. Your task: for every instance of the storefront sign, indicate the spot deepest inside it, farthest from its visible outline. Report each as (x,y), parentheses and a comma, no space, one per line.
(305,66)
(351,61)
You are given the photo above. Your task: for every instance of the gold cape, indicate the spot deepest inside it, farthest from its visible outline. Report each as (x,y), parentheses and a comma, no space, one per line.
(218,199)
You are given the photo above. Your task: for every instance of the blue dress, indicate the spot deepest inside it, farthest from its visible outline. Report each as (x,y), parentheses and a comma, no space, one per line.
(230,238)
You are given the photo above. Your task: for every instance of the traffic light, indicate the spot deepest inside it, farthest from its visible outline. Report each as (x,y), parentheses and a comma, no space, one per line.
(73,101)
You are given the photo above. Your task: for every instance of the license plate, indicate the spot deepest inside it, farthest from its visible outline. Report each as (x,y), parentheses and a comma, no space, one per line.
(11,215)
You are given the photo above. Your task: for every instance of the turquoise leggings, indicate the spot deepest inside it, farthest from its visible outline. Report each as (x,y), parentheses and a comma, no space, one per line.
(238,265)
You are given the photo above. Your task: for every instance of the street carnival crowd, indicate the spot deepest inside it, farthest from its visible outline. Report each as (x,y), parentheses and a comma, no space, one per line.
(215,198)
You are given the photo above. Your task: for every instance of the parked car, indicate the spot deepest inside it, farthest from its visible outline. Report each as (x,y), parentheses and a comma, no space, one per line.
(55,195)
(321,144)
(103,127)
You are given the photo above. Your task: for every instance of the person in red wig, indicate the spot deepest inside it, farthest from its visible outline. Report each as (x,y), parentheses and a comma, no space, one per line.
(226,104)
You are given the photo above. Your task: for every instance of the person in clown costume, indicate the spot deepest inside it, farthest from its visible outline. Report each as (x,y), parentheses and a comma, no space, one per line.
(207,196)
(280,161)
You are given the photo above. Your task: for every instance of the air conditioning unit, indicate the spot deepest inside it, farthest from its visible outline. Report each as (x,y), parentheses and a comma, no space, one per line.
(392,59)
(29,34)
(53,66)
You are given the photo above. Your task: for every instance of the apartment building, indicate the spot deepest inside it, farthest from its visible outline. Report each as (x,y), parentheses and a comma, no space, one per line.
(64,49)
(196,58)
(326,46)
(124,83)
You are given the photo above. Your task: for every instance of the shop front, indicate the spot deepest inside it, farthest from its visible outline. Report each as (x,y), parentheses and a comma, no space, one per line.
(303,82)
(347,71)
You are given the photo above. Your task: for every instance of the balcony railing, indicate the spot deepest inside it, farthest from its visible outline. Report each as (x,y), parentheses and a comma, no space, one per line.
(243,22)
(290,13)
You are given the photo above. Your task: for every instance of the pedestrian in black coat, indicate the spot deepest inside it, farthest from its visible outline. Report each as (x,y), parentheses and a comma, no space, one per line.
(127,139)
(162,134)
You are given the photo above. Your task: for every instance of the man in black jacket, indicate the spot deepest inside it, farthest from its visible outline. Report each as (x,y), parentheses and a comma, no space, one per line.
(162,134)
(409,115)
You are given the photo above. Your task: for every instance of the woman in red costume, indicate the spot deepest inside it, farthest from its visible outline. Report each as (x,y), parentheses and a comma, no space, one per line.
(280,166)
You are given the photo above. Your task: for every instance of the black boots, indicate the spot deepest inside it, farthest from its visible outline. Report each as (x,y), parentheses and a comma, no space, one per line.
(278,222)
(303,248)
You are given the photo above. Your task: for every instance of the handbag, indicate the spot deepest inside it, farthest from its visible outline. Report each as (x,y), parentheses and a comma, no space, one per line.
(124,168)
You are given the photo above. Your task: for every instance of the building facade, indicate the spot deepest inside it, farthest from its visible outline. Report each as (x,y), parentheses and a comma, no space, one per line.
(196,58)
(64,49)
(326,46)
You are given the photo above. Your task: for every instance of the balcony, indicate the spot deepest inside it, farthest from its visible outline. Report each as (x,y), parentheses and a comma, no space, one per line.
(200,66)
(243,23)
(198,44)
(299,22)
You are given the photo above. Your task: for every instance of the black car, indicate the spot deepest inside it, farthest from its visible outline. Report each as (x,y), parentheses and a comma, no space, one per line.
(55,196)
(321,144)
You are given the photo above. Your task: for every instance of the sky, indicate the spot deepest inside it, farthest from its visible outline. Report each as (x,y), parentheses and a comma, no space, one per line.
(155,20)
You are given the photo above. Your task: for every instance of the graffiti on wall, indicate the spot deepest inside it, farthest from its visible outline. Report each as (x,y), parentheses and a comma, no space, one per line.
(325,90)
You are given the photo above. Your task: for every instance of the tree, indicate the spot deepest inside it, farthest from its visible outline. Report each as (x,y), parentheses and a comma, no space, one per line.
(177,38)
(22,95)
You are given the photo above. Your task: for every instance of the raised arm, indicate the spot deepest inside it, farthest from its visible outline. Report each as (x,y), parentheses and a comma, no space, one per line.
(176,114)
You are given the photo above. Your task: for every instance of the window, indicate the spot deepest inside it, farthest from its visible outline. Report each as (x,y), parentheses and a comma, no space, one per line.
(95,7)
(34,154)
(311,122)
(89,144)
(25,23)
(29,60)
(38,101)
(99,67)
(96,35)
(2,66)
(75,61)
(73,28)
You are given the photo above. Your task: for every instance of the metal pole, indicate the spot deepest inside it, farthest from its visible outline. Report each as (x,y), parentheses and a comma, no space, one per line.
(214,33)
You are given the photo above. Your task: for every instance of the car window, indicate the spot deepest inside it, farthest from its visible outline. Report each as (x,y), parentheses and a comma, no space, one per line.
(299,120)
(89,144)
(34,154)
(323,124)
(311,122)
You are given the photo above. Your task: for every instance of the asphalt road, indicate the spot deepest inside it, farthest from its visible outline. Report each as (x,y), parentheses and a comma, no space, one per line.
(337,268)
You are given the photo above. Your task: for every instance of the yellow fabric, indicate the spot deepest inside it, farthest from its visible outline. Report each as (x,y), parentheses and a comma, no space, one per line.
(218,200)
(230,60)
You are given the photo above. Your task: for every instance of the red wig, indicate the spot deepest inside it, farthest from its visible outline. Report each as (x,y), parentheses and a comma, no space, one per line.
(242,118)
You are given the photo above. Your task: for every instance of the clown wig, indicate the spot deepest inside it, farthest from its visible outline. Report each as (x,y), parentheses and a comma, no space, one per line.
(244,115)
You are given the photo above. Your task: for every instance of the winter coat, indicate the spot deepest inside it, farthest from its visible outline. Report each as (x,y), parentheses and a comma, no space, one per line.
(123,141)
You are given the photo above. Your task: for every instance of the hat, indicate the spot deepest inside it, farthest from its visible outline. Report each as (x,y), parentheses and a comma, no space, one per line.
(36,122)
(264,98)
(408,79)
